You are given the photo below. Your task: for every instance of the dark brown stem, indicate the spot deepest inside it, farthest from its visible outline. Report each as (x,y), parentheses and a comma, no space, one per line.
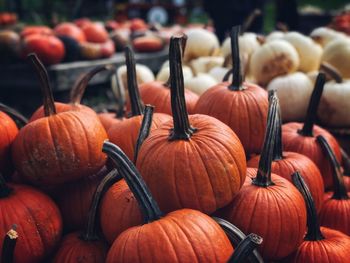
(9,245)
(331,71)
(145,129)
(250,19)
(278,149)
(134,94)
(263,177)
(5,190)
(235,235)
(339,192)
(182,128)
(91,231)
(137,185)
(79,87)
(237,78)
(345,162)
(313,225)
(311,113)
(14,114)
(48,102)
(245,248)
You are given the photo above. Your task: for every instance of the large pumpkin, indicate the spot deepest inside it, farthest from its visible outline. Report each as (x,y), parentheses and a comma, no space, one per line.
(242,106)
(268,204)
(181,236)
(61,147)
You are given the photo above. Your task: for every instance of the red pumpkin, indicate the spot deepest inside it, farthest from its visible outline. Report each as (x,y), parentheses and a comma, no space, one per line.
(124,134)
(81,22)
(336,206)
(70,30)
(193,161)
(48,48)
(286,163)
(61,147)
(321,244)
(148,44)
(138,24)
(95,33)
(204,240)
(34,30)
(268,204)
(301,138)
(241,105)
(37,218)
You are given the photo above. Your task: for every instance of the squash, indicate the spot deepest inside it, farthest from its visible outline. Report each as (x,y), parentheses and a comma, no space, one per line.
(200,83)
(325,35)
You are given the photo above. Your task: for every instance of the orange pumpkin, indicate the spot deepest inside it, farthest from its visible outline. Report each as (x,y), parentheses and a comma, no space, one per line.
(241,105)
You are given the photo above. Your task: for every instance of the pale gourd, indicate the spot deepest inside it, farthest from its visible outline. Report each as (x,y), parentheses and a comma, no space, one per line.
(218,73)
(309,52)
(163,74)
(325,35)
(273,59)
(274,35)
(205,64)
(294,91)
(143,74)
(200,83)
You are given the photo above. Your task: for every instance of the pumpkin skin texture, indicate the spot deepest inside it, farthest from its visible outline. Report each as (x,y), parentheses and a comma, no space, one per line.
(292,162)
(119,204)
(38,221)
(174,243)
(243,111)
(108,119)
(209,169)
(294,142)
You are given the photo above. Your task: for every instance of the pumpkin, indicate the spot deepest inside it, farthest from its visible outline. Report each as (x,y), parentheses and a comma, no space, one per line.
(336,205)
(87,246)
(286,163)
(273,59)
(301,137)
(240,105)
(325,35)
(61,147)
(205,64)
(10,45)
(70,30)
(37,217)
(321,244)
(292,89)
(346,168)
(164,72)
(95,33)
(245,248)
(125,133)
(200,83)
(268,204)
(202,151)
(218,73)
(275,35)
(8,246)
(188,235)
(309,52)
(149,43)
(36,30)
(337,53)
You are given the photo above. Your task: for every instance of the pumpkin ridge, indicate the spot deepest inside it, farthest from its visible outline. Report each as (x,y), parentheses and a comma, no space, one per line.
(58,154)
(166,235)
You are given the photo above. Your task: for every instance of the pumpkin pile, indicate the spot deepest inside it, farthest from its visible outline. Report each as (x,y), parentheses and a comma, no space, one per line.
(175,175)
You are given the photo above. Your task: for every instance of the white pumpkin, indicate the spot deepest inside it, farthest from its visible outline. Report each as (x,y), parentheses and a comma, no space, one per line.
(143,74)
(274,35)
(294,91)
(200,43)
(309,52)
(325,35)
(337,54)
(164,72)
(273,59)
(200,83)
(205,64)
(218,73)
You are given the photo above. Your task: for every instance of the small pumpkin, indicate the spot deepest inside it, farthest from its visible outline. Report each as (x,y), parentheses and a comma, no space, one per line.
(205,64)
(241,105)
(325,35)
(200,83)
(70,30)
(198,229)
(164,72)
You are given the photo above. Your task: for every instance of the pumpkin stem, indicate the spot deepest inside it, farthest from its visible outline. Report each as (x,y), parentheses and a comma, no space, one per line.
(313,105)
(5,190)
(345,161)
(134,94)
(49,104)
(137,185)
(79,87)
(9,245)
(235,235)
(245,248)
(313,225)
(14,114)
(250,19)
(91,230)
(278,149)
(145,129)
(182,128)
(340,192)
(263,177)
(331,71)
(237,78)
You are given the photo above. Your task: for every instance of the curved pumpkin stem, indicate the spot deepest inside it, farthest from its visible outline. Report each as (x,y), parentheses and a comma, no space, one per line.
(8,245)
(263,177)
(331,71)
(145,129)
(91,233)
(278,149)
(48,101)
(182,128)
(137,185)
(313,225)
(250,19)
(245,248)
(14,114)
(5,190)
(340,192)
(237,78)
(313,105)
(235,235)
(79,87)
(345,162)
(134,94)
